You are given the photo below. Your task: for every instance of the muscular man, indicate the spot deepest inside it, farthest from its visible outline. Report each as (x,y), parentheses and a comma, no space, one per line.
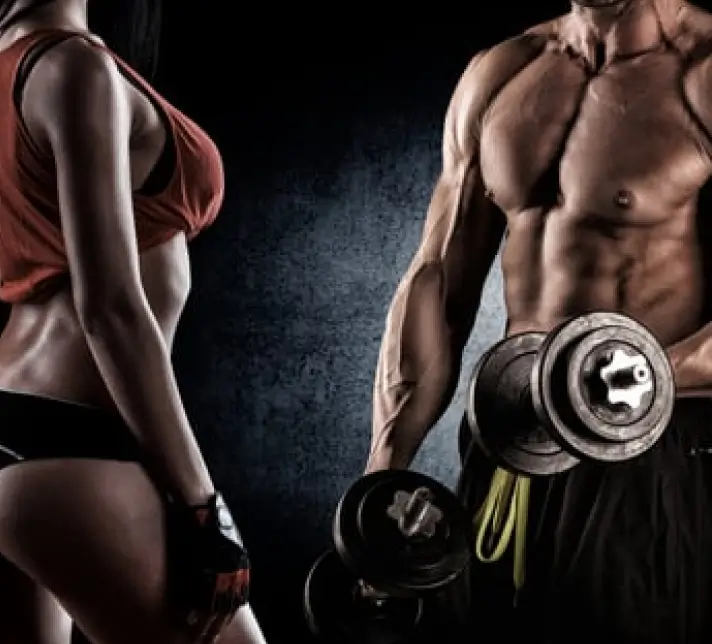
(586,142)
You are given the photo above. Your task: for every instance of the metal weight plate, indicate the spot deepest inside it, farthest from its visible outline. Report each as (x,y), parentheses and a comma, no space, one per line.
(501,416)
(402,532)
(621,384)
(337,609)
(605,385)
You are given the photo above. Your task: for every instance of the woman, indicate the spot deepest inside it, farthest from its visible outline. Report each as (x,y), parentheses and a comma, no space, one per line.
(108,515)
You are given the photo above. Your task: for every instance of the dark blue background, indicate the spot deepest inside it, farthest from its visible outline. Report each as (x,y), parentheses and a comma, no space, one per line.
(331,135)
(331,142)
(331,138)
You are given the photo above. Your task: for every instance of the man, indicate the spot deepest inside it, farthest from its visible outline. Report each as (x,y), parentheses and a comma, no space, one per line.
(586,141)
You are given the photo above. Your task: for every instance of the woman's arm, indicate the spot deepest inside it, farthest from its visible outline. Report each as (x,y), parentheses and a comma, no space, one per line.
(76,103)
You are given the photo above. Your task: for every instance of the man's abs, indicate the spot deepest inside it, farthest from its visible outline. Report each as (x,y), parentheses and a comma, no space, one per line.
(598,175)
(567,268)
(43,350)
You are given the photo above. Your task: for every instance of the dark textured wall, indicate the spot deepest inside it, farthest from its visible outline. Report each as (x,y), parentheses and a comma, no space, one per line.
(331,154)
(331,137)
(331,141)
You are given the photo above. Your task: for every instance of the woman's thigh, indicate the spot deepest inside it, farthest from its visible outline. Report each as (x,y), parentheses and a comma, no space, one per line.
(93,533)
(29,614)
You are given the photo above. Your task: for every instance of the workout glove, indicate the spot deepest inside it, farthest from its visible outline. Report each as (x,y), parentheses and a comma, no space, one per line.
(212,568)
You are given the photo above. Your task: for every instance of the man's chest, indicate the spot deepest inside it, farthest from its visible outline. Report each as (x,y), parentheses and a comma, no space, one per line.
(556,133)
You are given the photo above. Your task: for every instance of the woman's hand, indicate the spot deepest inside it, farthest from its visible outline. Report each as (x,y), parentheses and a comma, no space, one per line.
(211,569)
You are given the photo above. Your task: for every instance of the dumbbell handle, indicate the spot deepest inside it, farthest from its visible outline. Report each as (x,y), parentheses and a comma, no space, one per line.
(523,410)
(369,593)
(415,513)
(626,378)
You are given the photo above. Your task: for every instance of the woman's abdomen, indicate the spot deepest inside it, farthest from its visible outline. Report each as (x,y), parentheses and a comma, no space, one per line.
(43,349)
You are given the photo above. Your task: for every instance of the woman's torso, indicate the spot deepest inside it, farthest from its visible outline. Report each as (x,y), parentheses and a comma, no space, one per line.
(42,348)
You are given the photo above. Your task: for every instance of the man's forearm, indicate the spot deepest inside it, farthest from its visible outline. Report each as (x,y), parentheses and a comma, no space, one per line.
(418,367)
(691,361)
(404,414)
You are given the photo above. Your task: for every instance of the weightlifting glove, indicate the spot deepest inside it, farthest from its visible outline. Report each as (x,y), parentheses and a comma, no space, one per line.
(211,568)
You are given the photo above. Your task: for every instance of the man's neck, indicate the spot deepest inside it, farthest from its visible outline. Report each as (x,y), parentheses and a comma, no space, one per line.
(604,34)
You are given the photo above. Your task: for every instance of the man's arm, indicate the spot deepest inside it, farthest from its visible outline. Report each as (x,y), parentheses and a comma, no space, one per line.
(434,308)
(691,358)
(691,362)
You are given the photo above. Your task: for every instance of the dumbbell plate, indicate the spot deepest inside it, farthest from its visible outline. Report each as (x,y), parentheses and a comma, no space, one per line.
(560,392)
(336,611)
(500,414)
(370,542)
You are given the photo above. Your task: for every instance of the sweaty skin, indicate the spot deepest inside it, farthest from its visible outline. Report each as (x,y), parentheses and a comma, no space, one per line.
(586,142)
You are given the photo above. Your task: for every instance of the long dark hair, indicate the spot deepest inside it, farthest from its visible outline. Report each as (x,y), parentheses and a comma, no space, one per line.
(131,28)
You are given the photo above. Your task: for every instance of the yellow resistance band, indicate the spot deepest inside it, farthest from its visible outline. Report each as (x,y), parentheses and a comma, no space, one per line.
(504,512)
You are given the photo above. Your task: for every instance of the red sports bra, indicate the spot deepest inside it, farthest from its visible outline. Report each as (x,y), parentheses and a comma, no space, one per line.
(32,254)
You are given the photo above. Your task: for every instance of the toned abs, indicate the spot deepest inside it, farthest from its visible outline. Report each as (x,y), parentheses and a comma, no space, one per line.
(598,172)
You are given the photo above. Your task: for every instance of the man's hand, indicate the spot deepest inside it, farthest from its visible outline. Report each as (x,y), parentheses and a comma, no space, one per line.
(691,361)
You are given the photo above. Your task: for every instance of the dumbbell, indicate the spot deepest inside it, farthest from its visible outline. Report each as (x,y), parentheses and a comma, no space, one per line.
(598,387)
(399,536)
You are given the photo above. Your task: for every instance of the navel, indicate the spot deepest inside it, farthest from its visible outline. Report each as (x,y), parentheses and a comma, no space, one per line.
(624,199)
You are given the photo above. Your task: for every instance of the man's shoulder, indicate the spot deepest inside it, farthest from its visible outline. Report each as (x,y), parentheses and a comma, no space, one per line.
(501,59)
(695,23)
(492,68)
(694,42)
(690,33)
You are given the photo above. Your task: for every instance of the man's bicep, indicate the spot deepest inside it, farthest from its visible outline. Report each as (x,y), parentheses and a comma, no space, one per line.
(461,131)
(463,228)
(85,119)
(474,226)
(704,238)
(463,231)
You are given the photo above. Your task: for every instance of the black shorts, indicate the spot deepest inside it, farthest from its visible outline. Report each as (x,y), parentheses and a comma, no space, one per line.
(33,427)
(616,553)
